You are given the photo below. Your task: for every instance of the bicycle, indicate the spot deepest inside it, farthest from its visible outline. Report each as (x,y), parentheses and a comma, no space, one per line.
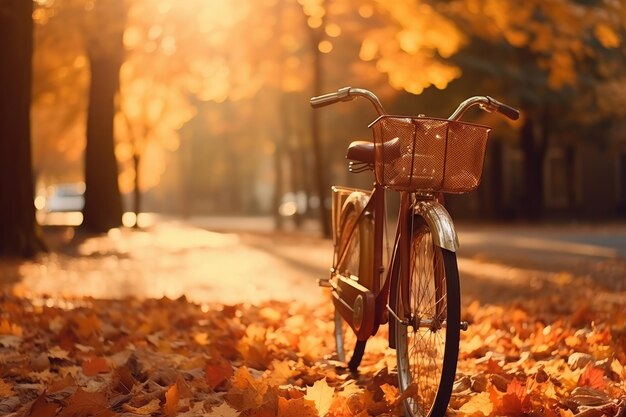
(421,158)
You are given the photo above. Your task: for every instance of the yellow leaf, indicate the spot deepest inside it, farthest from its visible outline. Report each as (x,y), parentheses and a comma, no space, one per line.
(321,394)
(145,410)
(224,410)
(617,367)
(479,405)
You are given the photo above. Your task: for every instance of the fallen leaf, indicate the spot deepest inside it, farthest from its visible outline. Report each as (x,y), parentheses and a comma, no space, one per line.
(172,397)
(246,392)
(147,409)
(83,403)
(8,328)
(217,371)
(592,377)
(515,400)
(321,395)
(299,407)
(95,366)
(478,405)
(42,408)
(5,389)
(223,410)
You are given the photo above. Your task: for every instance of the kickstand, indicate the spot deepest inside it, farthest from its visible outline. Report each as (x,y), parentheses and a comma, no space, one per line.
(359,349)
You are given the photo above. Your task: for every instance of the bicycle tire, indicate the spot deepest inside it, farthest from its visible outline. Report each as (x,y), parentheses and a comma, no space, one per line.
(427,356)
(356,232)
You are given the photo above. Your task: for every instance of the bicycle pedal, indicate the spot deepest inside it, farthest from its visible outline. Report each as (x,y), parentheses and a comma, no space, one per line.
(464,326)
(324,282)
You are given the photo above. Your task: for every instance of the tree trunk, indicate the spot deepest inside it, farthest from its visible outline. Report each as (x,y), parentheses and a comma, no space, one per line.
(103,202)
(534,149)
(136,190)
(318,169)
(279,187)
(19,234)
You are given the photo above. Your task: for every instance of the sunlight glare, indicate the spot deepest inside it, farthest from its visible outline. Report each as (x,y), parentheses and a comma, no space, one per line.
(325,46)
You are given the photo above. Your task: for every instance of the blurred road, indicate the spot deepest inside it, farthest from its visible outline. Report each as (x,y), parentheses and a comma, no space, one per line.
(550,251)
(232,260)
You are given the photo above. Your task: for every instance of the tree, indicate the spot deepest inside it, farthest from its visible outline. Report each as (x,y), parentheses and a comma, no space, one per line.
(104,29)
(545,57)
(20,236)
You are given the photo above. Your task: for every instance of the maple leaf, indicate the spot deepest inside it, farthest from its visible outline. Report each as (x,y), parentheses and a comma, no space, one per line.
(84,403)
(216,372)
(516,399)
(299,407)
(253,348)
(592,377)
(95,366)
(42,408)
(479,405)
(86,325)
(145,410)
(223,410)
(246,393)
(280,373)
(321,395)
(123,380)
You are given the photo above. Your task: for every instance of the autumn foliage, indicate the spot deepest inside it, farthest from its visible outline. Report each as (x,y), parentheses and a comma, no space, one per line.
(555,356)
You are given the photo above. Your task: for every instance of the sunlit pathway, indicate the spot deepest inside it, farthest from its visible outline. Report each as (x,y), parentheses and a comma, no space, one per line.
(170,259)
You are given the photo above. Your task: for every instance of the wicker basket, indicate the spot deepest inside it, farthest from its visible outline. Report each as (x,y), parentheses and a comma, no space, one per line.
(426,154)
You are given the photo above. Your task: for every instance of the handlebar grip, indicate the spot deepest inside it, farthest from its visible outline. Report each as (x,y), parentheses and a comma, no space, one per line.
(510,112)
(343,94)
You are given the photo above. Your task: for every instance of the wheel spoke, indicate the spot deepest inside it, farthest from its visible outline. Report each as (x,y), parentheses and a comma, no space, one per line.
(422,345)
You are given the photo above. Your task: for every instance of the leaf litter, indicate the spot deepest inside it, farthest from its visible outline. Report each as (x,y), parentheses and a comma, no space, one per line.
(559,353)
(176,358)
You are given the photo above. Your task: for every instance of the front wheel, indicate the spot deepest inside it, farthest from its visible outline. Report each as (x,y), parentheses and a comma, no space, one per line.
(427,338)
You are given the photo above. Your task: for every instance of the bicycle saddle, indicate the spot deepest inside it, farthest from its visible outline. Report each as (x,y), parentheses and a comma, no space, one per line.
(363,151)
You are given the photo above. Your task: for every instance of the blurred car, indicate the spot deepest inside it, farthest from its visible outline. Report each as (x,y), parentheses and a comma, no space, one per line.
(65,198)
(61,205)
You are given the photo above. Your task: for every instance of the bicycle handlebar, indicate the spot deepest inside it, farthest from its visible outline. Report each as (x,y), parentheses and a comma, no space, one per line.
(486,103)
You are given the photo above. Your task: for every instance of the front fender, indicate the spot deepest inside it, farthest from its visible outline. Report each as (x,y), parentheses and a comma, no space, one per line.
(440,223)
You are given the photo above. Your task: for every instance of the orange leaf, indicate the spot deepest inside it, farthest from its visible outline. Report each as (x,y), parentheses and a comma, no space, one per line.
(83,403)
(478,405)
(5,389)
(246,393)
(95,366)
(171,400)
(218,372)
(42,408)
(10,328)
(299,407)
(86,325)
(592,377)
(516,400)
(494,367)
(391,393)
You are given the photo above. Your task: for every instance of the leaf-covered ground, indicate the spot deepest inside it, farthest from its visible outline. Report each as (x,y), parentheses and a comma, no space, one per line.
(171,357)
(554,351)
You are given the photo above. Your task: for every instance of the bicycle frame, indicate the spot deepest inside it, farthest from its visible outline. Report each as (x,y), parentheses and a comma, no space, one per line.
(366,319)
